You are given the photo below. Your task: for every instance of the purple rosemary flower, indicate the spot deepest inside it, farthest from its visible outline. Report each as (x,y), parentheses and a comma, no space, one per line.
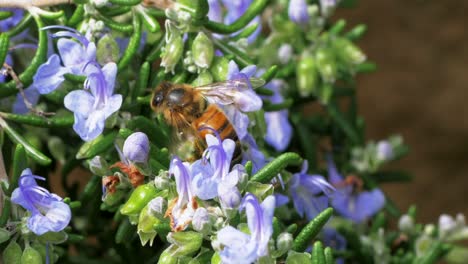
(182,208)
(74,55)
(310,193)
(240,247)
(212,170)
(92,106)
(350,200)
(279,129)
(297,11)
(48,211)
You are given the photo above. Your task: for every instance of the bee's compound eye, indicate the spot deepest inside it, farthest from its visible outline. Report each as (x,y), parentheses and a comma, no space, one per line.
(157,99)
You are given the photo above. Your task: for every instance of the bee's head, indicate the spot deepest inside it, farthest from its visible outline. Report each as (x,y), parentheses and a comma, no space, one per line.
(159,95)
(170,96)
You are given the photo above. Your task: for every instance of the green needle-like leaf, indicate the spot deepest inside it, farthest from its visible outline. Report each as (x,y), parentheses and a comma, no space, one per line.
(97,146)
(272,169)
(308,233)
(318,255)
(34,153)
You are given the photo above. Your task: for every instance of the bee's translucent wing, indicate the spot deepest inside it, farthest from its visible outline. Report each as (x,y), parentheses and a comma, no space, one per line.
(236,84)
(257,82)
(237,91)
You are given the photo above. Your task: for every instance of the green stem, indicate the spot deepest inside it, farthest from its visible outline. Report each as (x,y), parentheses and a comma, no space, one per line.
(272,169)
(33,120)
(254,9)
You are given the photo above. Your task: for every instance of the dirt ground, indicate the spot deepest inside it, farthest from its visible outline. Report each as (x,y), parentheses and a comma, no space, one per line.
(419,91)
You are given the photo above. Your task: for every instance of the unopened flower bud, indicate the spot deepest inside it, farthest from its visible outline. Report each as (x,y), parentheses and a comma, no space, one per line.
(429,229)
(219,223)
(31,256)
(406,223)
(201,221)
(285,53)
(142,195)
(107,49)
(203,79)
(384,150)
(98,166)
(202,51)
(136,147)
(172,53)
(422,245)
(158,207)
(161,182)
(219,68)
(307,76)
(446,225)
(166,257)
(12,253)
(284,242)
(99,26)
(326,64)
(56,148)
(348,51)
(186,242)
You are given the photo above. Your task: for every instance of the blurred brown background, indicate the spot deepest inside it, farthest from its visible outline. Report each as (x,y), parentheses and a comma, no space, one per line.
(420,91)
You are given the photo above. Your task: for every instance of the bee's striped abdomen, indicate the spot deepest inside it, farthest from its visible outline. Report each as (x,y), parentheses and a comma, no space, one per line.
(214,119)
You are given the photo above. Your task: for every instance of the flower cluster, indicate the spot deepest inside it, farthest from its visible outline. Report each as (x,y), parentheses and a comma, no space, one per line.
(254,183)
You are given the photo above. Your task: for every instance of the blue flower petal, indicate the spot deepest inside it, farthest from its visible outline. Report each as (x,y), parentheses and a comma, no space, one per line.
(90,127)
(72,54)
(279,130)
(239,248)
(56,218)
(49,75)
(203,184)
(110,71)
(113,105)
(359,207)
(80,102)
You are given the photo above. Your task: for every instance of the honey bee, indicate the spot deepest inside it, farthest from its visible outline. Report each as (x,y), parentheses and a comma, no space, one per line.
(193,112)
